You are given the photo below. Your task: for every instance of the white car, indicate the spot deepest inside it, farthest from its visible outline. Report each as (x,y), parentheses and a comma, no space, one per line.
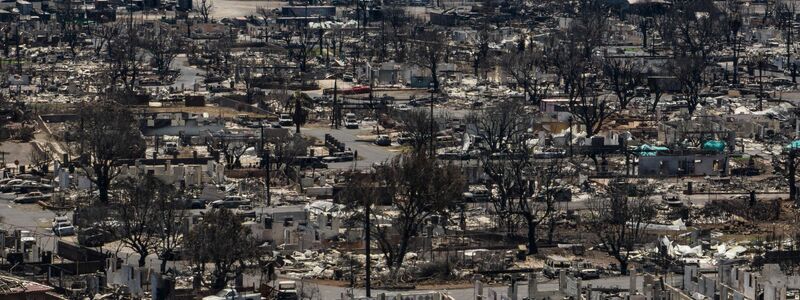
(233,294)
(31,197)
(350,121)
(58,220)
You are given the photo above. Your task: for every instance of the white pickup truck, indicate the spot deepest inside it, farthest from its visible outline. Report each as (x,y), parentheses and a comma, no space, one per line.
(232,294)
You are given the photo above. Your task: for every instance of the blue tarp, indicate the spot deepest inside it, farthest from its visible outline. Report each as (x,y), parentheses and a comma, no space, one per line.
(647,150)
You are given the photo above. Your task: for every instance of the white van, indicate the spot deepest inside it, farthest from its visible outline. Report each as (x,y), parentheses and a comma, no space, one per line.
(350,121)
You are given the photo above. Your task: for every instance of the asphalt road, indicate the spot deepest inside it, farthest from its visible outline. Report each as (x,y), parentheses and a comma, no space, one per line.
(33,218)
(29,217)
(367,152)
(189,74)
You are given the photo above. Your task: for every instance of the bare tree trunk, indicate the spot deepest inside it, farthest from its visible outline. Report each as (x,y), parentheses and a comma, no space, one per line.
(623,264)
(532,246)
(142,258)
(164,263)
(219,281)
(551,230)
(102,187)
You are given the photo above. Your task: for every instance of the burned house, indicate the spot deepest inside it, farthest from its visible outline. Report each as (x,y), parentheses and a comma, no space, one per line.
(291,228)
(700,162)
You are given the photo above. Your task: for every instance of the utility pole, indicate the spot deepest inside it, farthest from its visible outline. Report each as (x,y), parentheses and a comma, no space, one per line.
(789,33)
(433,149)
(16,32)
(269,197)
(372,101)
(265,156)
(367,245)
(336,110)
(792,170)
(355,160)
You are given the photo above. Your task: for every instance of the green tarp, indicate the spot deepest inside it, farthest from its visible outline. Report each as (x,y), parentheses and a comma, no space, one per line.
(793,145)
(714,145)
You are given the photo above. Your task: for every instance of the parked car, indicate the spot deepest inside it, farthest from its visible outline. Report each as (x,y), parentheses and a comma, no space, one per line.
(350,121)
(64,229)
(30,186)
(287,290)
(309,162)
(94,237)
(404,138)
(58,220)
(245,211)
(31,197)
(24,186)
(339,157)
(383,140)
(28,177)
(196,204)
(477,195)
(233,294)
(285,120)
(229,202)
(171,148)
(553,264)
(781,82)
(672,200)
(453,155)
(587,274)
(10,185)
(419,102)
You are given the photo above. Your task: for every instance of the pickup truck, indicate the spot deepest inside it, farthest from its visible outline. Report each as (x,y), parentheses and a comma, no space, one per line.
(233,294)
